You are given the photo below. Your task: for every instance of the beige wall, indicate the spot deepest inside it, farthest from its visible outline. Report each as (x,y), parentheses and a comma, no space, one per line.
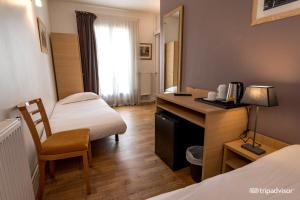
(25,72)
(63,20)
(171,29)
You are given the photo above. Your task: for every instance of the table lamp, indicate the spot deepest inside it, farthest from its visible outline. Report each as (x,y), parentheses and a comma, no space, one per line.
(257,96)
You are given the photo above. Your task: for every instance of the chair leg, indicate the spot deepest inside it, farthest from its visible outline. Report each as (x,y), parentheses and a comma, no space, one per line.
(42,179)
(52,169)
(117,138)
(90,154)
(86,172)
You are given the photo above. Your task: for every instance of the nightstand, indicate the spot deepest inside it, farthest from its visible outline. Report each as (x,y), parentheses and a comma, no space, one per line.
(235,156)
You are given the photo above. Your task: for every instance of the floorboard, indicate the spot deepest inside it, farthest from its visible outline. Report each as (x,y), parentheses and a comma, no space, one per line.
(128,169)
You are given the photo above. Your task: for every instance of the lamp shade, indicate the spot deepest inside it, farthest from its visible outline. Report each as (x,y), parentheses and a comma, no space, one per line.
(260,96)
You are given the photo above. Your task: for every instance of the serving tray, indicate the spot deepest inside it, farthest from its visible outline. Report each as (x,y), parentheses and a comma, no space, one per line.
(221,104)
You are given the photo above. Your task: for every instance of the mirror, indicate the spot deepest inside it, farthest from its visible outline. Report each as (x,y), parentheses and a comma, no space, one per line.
(172,40)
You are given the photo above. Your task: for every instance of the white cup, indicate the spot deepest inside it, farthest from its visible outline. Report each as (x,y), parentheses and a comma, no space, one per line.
(212,96)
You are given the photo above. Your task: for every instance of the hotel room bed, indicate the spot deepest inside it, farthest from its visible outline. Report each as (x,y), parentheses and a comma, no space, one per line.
(279,170)
(95,114)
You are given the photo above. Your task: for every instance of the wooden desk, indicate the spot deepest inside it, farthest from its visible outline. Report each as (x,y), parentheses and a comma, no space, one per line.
(220,125)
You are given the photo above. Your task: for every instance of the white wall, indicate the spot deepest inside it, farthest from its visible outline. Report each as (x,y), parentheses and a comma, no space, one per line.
(157,24)
(25,72)
(63,20)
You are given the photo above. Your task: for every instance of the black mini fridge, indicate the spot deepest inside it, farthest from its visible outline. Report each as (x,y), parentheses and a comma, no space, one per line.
(173,135)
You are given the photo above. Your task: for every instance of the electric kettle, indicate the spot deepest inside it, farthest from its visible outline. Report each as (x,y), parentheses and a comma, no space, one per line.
(235,92)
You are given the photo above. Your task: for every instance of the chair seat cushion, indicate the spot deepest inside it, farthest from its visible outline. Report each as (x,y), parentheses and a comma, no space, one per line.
(66,142)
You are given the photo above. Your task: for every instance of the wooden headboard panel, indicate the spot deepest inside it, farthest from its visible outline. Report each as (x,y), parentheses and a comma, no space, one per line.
(67,64)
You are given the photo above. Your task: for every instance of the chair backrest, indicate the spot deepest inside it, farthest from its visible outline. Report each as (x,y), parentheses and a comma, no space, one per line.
(32,124)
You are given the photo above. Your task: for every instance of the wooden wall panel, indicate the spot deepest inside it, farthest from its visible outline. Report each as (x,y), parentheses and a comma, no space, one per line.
(67,64)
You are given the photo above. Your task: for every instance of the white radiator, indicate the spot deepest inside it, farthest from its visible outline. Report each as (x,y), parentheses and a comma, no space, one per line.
(145,84)
(15,180)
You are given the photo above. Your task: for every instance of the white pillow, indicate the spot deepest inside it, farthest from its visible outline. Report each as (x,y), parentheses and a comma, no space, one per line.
(84,96)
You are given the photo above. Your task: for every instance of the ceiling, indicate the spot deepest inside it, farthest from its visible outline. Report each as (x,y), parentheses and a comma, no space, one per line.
(140,5)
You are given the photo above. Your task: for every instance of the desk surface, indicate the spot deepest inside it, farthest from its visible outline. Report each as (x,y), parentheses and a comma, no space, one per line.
(189,102)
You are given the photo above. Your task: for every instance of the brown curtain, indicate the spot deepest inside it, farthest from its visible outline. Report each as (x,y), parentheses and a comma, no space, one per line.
(87,40)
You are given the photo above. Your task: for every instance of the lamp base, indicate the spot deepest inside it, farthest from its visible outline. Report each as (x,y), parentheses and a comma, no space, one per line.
(253,149)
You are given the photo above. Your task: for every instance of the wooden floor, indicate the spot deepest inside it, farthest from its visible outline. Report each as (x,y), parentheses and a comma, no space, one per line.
(125,170)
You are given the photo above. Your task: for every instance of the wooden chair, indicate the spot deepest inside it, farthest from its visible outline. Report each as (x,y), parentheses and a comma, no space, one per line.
(57,146)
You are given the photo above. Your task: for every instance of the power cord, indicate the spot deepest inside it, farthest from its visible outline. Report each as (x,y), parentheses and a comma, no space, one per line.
(244,136)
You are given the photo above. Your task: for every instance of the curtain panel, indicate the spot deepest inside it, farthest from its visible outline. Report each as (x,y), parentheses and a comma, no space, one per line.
(117,40)
(87,40)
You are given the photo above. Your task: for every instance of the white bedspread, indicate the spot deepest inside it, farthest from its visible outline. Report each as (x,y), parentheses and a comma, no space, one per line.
(279,170)
(101,119)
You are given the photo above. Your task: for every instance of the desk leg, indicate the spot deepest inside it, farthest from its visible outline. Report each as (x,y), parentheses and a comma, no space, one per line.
(224,160)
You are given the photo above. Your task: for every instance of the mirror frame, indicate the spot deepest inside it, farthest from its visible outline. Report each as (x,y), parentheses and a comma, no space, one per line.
(179,9)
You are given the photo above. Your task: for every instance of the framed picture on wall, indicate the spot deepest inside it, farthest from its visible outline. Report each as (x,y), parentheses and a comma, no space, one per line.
(271,10)
(145,51)
(42,35)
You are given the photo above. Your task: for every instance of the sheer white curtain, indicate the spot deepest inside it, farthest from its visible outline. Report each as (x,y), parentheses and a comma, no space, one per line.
(117,60)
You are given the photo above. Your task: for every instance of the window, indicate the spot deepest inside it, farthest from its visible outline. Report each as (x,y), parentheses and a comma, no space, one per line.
(116,48)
